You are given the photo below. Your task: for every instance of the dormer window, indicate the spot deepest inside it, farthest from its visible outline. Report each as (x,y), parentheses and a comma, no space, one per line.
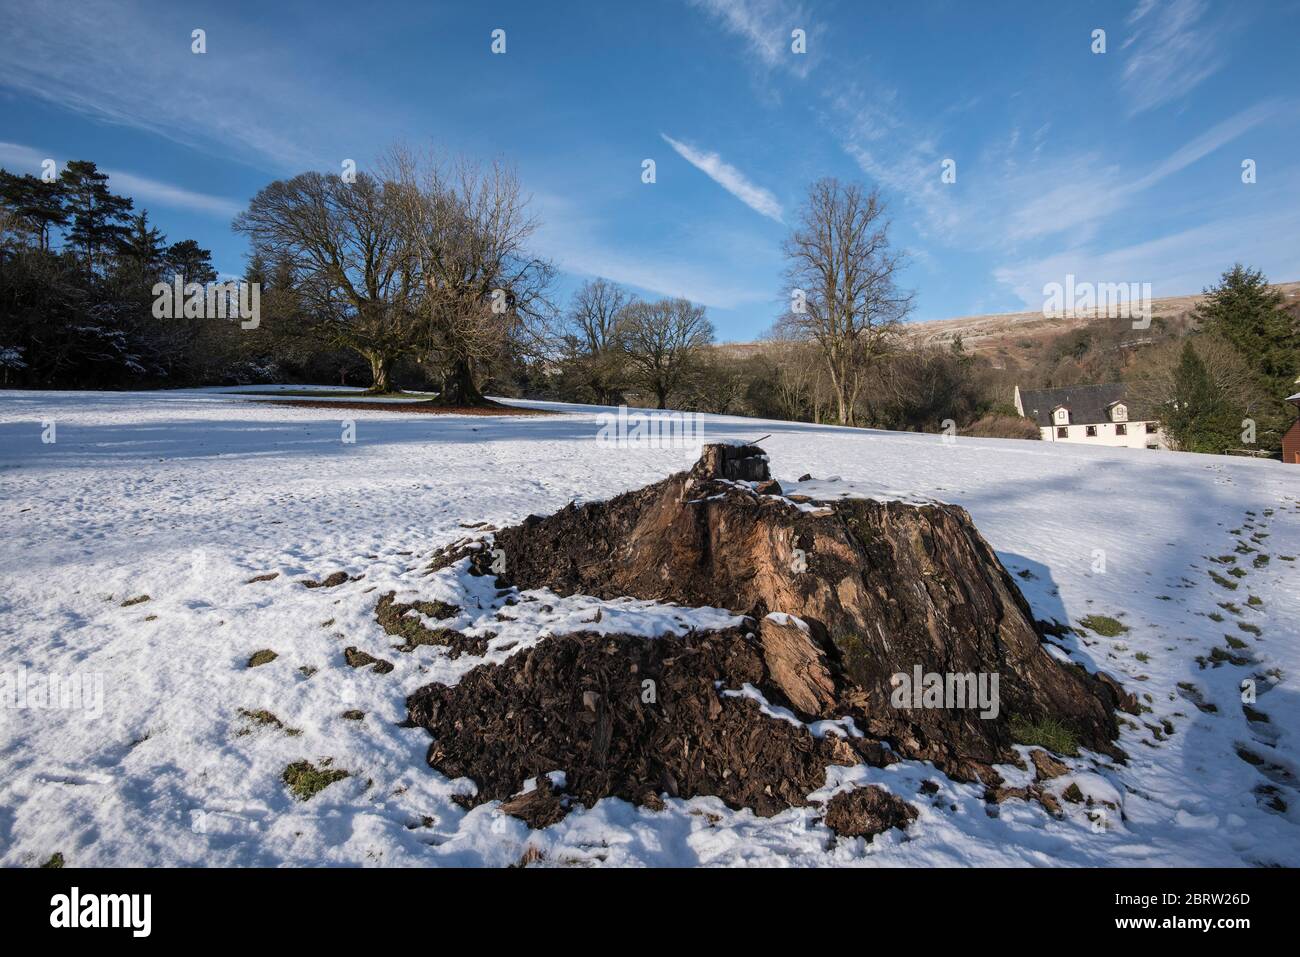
(1061,415)
(1119,412)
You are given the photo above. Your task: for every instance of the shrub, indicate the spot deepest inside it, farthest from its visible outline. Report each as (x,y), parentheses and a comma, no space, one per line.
(995,426)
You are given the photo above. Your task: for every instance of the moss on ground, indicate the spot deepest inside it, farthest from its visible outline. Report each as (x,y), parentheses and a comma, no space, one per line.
(305,780)
(267,720)
(263,657)
(393,618)
(1220,580)
(1048,733)
(1104,625)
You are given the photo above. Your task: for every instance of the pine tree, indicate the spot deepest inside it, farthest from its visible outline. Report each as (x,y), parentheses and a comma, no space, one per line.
(97,215)
(1199,417)
(191,261)
(37,206)
(143,248)
(1249,314)
(256,271)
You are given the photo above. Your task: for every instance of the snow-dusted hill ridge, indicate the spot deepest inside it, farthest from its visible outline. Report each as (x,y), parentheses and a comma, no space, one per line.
(186,496)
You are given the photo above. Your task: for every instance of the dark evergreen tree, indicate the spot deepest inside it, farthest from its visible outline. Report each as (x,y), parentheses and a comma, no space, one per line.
(1199,418)
(36,206)
(98,218)
(189,260)
(143,250)
(1246,311)
(257,270)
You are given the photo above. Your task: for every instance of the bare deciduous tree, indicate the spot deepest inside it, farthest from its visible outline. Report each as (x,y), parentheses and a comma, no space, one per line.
(343,243)
(467,227)
(841,277)
(592,337)
(797,380)
(1153,385)
(662,341)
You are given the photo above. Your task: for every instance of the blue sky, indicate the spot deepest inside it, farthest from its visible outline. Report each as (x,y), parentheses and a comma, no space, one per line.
(1123,166)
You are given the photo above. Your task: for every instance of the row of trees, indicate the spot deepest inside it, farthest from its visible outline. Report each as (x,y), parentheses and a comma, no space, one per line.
(844,320)
(77,265)
(423,268)
(427,264)
(613,345)
(422,262)
(420,274)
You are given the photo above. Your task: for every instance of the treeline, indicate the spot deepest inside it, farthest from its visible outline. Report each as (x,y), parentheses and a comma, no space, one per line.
(419,275)
(906,388)
(837,355)
(77,267)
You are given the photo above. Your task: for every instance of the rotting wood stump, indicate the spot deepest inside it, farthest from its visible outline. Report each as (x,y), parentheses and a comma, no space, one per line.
(843,596)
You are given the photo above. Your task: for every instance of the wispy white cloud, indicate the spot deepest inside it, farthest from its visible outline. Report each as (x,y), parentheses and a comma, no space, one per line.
(143,189)
(1041,207)
(577,240)
(1175,264)
(766,27)
(20,159)
(1217,136)
(133,66)
(735,182)
(662,276)
(901,156)
(1173,49)
(1069,193)
(1076,193)
(151,191)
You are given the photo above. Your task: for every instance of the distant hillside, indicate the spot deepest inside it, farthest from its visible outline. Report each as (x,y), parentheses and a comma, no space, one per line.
(1017,334)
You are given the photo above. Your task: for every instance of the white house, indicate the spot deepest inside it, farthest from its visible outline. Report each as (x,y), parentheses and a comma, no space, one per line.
(1090,414)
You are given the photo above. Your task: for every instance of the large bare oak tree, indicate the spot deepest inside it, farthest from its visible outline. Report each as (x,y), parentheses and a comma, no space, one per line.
(349,258)
(468,226)
(662,341)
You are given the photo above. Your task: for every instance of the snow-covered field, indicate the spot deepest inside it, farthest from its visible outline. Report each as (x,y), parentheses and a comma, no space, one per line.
(185,496)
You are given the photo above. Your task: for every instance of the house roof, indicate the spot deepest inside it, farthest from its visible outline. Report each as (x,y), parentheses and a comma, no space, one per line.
(1088,404)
